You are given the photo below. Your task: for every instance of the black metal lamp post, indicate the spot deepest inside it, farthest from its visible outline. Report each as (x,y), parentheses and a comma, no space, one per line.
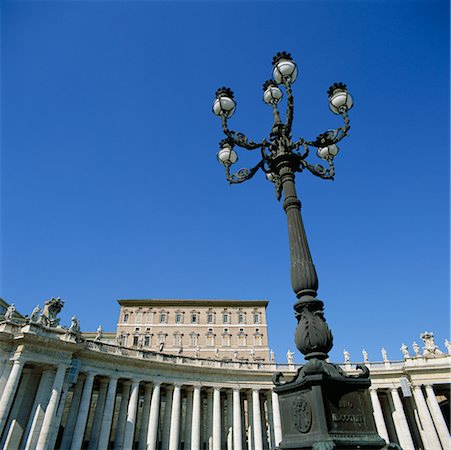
(321,407)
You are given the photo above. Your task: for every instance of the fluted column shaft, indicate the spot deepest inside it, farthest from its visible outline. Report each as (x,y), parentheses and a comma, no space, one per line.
(188,421)
(9,392)
(378,415)
(237,432)
(257,420)
(399,418)
(107,419)
(276,418)
(85,403)
(437,416)
(145,416)
(98,415)
(229,428)
(167,419)
(195,428)
(175,418)
(119,438)
(250,421)
(217,418)
(153,418)
(429,435)
(50,411)
(131,416)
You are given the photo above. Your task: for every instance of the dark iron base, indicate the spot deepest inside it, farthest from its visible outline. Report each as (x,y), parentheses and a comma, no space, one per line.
(323,408)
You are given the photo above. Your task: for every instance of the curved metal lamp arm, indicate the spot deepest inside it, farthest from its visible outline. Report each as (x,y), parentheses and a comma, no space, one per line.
(242,174)
(318,170)
(239,139)
(290,108)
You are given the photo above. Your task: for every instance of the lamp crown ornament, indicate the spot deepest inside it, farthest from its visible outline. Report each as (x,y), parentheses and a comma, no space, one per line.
(283,55)
(269,83)
(336,87)
(224,92)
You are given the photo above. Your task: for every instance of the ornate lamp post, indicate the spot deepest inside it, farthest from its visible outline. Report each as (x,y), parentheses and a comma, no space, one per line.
(321,407)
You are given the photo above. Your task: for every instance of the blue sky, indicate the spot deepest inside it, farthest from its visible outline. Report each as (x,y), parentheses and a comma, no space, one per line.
(111,188)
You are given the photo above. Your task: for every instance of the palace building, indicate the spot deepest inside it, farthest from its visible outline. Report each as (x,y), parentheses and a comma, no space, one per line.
(63,389)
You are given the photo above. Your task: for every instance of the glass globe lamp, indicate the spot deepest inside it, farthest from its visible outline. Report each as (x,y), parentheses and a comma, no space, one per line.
(224,104)
(227,155)
(339,98)
(271,92)
(328,152)
(284,68)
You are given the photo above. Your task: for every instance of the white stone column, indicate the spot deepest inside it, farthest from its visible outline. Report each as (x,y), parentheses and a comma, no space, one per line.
(131,416)
(72,415)
(196,417)
(145,416)
(400,421)
(257,419)
(50,411)
(237,431)
(83,411)
(229,429)
(270,419)
(175,418)
(276,418)
(429,435)
(98,415)
(153,418)
(119,438)
(250,421)
(58,416)
(38,409)
(216,418)
(437,416)
(188,421)
(9,392)
(107,419)
(167,419)
(378,415)
(5,375)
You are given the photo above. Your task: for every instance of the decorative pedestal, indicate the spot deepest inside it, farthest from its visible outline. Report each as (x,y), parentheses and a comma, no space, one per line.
(323,408)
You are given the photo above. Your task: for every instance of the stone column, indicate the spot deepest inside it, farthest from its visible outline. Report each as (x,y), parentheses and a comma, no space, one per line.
(131,416)
(98,415)
(276,418)
(167,419)
(429,434)
(188,418)
(72,415)
(257,420)
(38,409)
(83,411)
(229,429)
(145,416)
(250,421)
(196,417)
(5,375)
(399,418)
(153,418)
(119,438)
(378,415)
(270,420)
(175,418)
(209,425)
(216,418)
(50,411)
(437,416)
(9,392)
(107,419)
(237,432)
(58,416)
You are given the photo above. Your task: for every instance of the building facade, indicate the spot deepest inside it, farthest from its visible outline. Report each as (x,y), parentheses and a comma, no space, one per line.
(219,329)
(62,391)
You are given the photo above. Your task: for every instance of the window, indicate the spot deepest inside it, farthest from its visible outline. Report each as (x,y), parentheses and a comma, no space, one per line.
(210,317)
(147,340)
(163,317)
(137,330)
(147,329)
(226,318)
(193,339)
(193,317)
(210,338)
(139,316)
(178,317)
(242,339)
(126,317)
(226,338)
(258,340)
(256,318)
(240,317)
(135,340)
(161,338)
(178,339)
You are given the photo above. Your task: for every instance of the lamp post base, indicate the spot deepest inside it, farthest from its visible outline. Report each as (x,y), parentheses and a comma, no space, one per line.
(323,408)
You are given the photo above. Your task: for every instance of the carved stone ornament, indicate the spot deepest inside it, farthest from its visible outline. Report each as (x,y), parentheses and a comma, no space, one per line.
(302,414)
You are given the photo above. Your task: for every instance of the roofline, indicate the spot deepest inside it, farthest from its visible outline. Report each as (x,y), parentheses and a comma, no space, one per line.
(190,302)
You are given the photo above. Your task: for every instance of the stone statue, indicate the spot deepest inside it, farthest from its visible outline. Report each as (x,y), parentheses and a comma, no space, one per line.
(347,356)
(252,354)
(34,316)
(197,351)
(365,356)
(99,335)
(10,312)
(161,347)
(272,356)
(74,325)
(216,353)
(180,350)
(235,355)
(448,346)
(384,354)
(51,309)
(405,351)
(429,348)
(290,355)
(416,349)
